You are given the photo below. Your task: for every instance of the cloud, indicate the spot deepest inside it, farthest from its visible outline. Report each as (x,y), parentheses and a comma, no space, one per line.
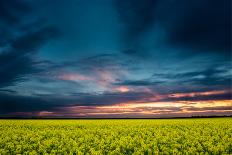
(38,102)
(15,103)
(194,28)
(226,95)
(18,48)
(139,110)
(135,83)
(11,103)
(73,77)
(201,25)
(214,76)
(20,55)
(137,16)
(223,108)
(11,11)
(122,51)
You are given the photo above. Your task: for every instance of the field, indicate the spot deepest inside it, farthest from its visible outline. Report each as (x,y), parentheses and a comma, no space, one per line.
(155,136)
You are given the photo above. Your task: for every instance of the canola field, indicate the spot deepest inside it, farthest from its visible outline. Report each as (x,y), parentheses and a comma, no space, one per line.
(121,136)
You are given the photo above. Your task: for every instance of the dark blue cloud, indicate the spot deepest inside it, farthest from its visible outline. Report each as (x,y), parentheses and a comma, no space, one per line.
(202,25)
(16,103)
(204,78)
(10,11)
(20,46)
(139,83)
(137,17)
(17,60)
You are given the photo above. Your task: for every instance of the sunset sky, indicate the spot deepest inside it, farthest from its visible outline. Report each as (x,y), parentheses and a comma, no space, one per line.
(115,58)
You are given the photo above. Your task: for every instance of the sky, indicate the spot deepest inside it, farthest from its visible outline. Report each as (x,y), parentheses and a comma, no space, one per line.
(115,58)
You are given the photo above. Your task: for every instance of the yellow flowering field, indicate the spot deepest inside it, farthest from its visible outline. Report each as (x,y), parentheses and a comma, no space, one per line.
(117,136)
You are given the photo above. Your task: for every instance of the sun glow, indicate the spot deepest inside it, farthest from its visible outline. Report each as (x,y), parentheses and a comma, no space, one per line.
(151,109)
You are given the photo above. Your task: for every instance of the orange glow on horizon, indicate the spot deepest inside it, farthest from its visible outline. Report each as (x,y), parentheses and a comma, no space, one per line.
(153,109)
(150,106)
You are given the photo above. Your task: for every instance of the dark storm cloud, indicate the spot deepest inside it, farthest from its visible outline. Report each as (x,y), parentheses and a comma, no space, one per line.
(10,11)
(196,27)
(32,41)
(17,103)
(136,15)
(19,46)
(213,76)
(17,60)
(204,25)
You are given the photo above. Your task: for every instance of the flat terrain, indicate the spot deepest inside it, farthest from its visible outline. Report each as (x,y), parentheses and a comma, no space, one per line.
(118,136)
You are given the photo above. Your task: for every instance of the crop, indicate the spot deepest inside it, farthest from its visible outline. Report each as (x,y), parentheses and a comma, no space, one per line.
(122,136)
